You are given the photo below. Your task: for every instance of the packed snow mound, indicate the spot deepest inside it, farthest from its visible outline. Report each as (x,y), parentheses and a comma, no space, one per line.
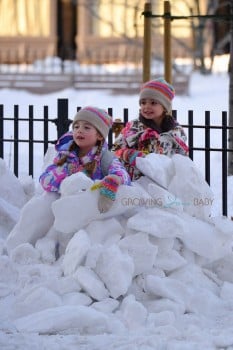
(154,260)
(12,198)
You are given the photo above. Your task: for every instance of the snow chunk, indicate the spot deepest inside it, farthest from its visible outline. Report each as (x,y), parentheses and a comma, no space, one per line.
(164,304)
(164,199)
(189,185)
(223,224)
(105,232)
(170,261)
(38,299)
(75,184)
(194,276)
(133,312)
(8,271)
(13,194)
(76,299)
(25,254)
(9,215)
(204,302)
(141,250)
(75,252)
(162,318)
(93,255)
(205,240)
(158,222)
(28,185)
(226,292)
(107,305)
(46,247)
(71,212)
(167,288)
(36,218)
(91,283)
(65,318)
(157,167)
(116,269)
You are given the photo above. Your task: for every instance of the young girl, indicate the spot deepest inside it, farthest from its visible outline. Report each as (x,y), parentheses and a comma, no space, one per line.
(85,149)
(156,131)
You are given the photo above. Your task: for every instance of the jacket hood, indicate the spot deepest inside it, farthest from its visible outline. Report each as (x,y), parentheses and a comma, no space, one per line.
(64,142)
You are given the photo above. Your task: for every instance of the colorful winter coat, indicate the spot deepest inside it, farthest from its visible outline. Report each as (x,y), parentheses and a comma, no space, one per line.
(54,174)
(137,140)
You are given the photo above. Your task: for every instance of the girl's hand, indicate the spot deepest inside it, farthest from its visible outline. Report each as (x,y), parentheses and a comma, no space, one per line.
(108,189)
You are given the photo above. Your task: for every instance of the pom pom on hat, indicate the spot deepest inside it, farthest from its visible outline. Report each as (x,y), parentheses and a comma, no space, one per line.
(98,117)
(159,90)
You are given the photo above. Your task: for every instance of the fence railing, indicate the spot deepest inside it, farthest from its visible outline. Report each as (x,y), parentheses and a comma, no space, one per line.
(62,122)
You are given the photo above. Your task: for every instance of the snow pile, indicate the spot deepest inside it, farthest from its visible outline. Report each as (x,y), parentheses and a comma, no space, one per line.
(12,197)
(157,260)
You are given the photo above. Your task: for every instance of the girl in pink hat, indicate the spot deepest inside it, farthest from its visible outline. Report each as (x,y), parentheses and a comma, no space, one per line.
(156,131)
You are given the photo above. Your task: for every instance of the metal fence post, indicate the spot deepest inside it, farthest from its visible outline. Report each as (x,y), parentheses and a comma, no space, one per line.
(62,122)
(207,146)
(46,128)
(110,131)
(190,133)
(1,131)
(16,140)
(31,138)
(224,163)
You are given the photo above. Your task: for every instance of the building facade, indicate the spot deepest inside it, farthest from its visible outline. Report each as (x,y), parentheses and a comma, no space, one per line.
(90,31)
(28,30)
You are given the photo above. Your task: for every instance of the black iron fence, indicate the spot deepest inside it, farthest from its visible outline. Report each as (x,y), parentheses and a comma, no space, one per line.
(62,122)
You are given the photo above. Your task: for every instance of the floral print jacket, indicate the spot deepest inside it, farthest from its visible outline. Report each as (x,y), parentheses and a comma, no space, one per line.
(54,174)
(136,136)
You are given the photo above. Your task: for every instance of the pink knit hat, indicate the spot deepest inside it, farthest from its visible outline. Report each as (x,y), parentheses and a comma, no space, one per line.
(99,118)
(159,90)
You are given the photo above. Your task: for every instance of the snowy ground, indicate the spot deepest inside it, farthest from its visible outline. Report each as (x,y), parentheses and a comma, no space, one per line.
(153,273)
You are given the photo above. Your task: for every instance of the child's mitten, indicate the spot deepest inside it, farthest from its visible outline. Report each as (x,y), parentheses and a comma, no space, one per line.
(108,189)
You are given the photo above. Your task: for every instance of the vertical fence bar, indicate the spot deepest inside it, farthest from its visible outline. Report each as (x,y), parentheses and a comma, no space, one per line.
(207,147)
(190,133)
(110,131)
(224,163)
(125,116)
(46,128)
(16,140)
(1,131)
(62,116)
(30,143)
(174,114)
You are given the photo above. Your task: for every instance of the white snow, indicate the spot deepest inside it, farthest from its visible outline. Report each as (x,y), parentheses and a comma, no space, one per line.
(155,272)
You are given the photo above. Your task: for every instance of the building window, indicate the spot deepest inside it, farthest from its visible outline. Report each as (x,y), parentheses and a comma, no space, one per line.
(24,17)
(116,18)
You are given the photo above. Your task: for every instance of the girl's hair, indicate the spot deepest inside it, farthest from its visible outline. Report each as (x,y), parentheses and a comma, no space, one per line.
(168,123)
(89,167)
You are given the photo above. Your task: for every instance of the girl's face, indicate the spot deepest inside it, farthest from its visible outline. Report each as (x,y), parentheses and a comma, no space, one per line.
(153,110)
(85,135)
